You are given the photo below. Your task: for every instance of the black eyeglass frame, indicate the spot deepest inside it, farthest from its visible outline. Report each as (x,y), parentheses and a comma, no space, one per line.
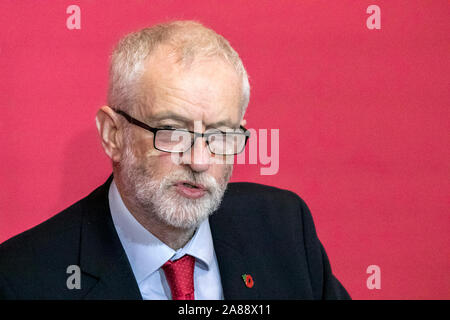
(145,126)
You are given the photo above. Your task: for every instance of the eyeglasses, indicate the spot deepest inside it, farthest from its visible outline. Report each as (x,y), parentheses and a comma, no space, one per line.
(181,140)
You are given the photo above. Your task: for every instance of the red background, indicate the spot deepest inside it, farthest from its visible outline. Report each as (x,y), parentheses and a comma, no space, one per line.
(363,118)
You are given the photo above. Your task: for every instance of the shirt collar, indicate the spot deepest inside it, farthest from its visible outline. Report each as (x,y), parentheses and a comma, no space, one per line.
(146,252)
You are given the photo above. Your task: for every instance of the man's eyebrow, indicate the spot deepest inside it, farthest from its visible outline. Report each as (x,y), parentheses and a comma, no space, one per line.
(223,123)
(177,117)
(168,116)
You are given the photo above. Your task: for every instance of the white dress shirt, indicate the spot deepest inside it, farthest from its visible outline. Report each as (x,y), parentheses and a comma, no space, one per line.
(147,254)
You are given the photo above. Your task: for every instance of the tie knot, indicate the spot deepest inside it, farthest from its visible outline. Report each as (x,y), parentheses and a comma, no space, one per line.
(180,276)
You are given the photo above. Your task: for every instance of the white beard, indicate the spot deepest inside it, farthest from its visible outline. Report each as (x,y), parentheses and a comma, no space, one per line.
(160,199)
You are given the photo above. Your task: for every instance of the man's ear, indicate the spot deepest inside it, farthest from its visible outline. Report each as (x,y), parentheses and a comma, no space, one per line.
(243,122)
(108,126)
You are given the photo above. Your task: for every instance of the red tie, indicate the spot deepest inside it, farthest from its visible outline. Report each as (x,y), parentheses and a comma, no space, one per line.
(180,276)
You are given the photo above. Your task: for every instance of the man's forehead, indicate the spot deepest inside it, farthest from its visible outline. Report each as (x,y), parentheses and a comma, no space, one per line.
(208,90)
(181,116)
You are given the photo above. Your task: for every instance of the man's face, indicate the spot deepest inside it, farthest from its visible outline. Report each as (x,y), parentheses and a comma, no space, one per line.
(181,193)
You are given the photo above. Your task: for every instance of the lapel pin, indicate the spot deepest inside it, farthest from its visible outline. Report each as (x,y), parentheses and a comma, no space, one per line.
(248,280)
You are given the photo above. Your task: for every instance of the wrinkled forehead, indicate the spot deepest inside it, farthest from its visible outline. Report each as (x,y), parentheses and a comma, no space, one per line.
(203,88)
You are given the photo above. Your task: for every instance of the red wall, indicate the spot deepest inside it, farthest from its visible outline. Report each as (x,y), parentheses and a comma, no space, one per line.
(363,119)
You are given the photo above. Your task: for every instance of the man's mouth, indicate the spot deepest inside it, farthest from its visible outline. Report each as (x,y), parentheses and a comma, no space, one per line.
(190,190)
(189,185)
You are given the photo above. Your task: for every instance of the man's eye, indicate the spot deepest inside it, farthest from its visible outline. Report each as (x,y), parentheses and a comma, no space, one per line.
(173,127)
(221,130)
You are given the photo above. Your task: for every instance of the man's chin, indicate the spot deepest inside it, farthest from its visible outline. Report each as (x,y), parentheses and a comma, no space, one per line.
(185,212)
(185,222)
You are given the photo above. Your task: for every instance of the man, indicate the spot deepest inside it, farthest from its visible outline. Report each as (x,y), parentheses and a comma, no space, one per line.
(166,224)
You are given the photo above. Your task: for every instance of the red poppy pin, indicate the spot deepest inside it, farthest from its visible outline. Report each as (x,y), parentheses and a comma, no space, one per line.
(248,280)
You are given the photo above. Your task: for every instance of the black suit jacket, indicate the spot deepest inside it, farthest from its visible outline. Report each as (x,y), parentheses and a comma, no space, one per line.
(258,230)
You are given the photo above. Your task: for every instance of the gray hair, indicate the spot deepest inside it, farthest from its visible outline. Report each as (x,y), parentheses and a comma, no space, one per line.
(188,39)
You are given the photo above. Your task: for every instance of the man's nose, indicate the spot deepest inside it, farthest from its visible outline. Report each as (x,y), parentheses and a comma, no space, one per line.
(198,157)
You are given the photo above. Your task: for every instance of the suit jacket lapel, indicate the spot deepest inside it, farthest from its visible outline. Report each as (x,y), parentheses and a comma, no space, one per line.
(232,259)
(101,253)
